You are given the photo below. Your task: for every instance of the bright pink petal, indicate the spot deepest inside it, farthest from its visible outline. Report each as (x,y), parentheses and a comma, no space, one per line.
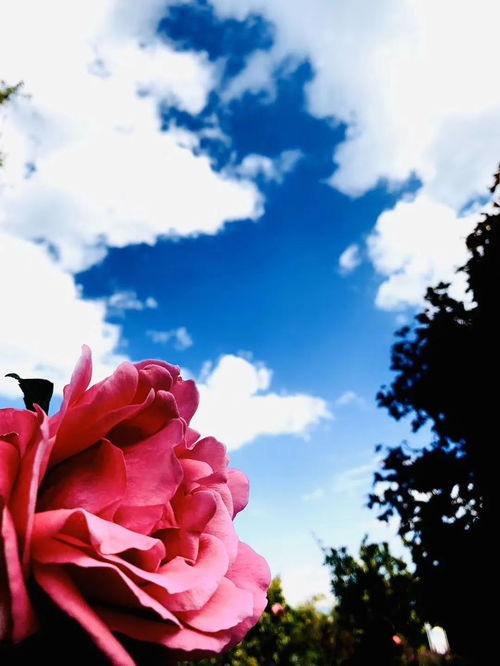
(105,537)
(86,424)
(227,607)
(187,397)
(211,451)
(30,475)
(80,378)
(147,422)
(190,642)
(142,519)
(94,480)
(188,587)
(251,572)
(21,422)
(19,610)
(173,370)
(153,471)
(239,487)
(221,526)
(59,586)
(9,463)
(194,511)
(107,582)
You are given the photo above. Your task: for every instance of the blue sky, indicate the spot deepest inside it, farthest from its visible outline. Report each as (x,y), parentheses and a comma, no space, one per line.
(259,193)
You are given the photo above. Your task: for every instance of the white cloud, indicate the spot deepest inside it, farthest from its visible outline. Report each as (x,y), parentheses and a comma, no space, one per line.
(302,582)
(351,480)
(181,337)
(348,398)
(412,80)
(101,173)
(350,259)
(416,245)
(87,168)
(45,320)
(121,301)
(317,493)
(275,169)
(236,405)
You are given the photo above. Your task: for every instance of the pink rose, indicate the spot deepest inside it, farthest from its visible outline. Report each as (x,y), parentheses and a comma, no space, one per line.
(118,511)
(277,609)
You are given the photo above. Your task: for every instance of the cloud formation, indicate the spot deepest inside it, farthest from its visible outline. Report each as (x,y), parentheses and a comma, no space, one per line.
(236,405)
(87,167)
(414,83)
(182,339)
(350,259)
(417,244)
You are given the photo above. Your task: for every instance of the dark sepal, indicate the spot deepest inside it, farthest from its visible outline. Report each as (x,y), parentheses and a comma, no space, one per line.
(35,391)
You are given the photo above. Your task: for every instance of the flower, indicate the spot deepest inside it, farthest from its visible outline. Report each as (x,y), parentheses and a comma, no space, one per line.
(277,609)
(123,516)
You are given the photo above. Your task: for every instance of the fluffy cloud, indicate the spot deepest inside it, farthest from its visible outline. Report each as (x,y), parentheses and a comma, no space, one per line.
(121,301)
(255,165)
(45,319)
(410,104)
(413,81)
(236,405)
(415,245)
(87,167)
(180,336)
(350,259)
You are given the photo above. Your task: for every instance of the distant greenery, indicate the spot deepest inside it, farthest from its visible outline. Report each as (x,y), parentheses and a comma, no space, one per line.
(301,635)
(376,600)
(6,92)
(374,603)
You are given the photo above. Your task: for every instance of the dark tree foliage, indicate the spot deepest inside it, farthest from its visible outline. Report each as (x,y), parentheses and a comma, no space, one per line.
(376,600)
(293,636)
(448,368)
(6,92)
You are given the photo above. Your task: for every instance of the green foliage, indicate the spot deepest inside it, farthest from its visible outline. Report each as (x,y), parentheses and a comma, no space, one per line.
(447,366)
(6,92)
(376,599)
(301,636)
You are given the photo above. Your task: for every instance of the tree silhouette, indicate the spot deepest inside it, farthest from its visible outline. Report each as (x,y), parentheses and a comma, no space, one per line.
(376,600)
(448,365)
(6,93)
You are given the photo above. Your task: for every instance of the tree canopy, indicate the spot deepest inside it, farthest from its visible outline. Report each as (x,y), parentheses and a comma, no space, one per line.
(376,605)
(447,365)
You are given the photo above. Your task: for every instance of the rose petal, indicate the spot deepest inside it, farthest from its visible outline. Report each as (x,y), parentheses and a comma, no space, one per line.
(105,537)
(80,379)
(173,370)
(221,526)
(211,451)
(147,422)
(31,471)
(192,643)
(239,487)
(188,587)
(227,607)
(94,480)
(21,422)
(101,580)
(9,462)
(153,471)
(19,609)
(187,398)
(85,425)
(59,586)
